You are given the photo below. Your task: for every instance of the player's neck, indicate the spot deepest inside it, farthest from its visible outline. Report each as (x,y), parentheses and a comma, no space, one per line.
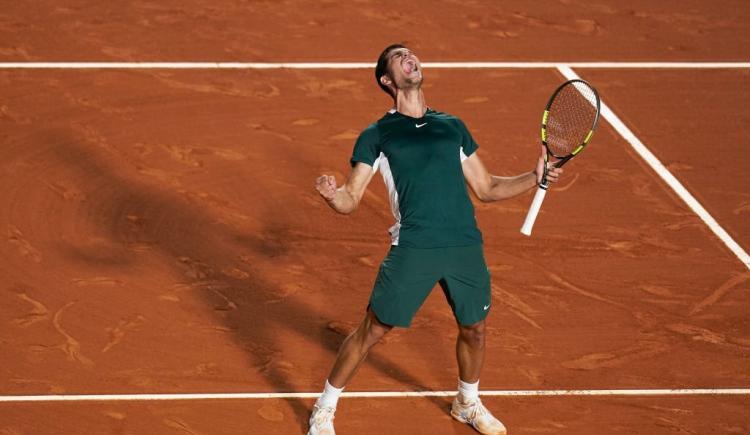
(410,102)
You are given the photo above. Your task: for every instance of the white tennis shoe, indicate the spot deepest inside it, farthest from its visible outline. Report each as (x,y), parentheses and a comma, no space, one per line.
(475,414)
(321,421)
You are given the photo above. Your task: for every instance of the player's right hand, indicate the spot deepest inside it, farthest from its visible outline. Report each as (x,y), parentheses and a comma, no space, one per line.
(326,186)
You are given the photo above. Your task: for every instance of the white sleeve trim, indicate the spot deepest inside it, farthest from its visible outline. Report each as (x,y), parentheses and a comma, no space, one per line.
(462,154)
(376,163)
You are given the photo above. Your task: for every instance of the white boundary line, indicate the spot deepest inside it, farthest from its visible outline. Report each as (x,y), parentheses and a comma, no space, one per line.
(363,65)
(372,394)
(667,176)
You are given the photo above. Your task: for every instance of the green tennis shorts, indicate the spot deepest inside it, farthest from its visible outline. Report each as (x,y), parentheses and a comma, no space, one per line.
(408,275)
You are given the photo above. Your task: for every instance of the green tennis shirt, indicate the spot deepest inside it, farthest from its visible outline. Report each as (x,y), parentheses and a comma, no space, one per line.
(420,160)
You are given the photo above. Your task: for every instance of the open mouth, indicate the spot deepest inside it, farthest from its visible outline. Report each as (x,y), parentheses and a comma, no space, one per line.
(410,66)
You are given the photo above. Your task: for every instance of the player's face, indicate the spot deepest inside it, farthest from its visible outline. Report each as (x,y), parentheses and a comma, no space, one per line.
(405,68)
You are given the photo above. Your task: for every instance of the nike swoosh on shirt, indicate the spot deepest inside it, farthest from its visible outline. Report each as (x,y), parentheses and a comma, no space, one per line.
(486,307)
(420,125)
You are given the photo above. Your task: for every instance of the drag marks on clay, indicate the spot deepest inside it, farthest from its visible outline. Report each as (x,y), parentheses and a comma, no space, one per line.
(521,309)
(690,23)
(115,415)
(93,136)
(172,295)
(720,292)
(38,312)
(226,303)
(367,261)
(216,85)
(305,122)
(569,182)
(97,281)
(638,240)
(346,135)
(617,358)
(24,248)
(316,88)
(266,130)
(7,113)
(642,186)
(534,376)
(71,347)
(278,366)
(120,53)
(165,178)
(270,412)
(17,52)
(180,425)
(186,155)
(697,333)
(688,222)
(99,106)
(195,269)
(514,343)
(227,212)
(236,273)
(118,332)
(476,100)
(582,27)
(743,208)
(284,292)
(67,191)
(583,292)
(661,295)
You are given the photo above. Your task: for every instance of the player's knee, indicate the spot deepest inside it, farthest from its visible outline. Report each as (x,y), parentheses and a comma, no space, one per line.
(375,330)
(474,334)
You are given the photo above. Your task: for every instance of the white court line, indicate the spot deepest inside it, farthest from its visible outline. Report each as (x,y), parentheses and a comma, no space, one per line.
(667,176)
(371,394)
(363,65)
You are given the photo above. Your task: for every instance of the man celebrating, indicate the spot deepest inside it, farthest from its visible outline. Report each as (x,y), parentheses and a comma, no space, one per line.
(426,158)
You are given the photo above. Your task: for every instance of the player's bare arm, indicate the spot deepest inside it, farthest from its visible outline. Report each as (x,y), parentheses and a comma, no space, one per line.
(345,199)
(488,187)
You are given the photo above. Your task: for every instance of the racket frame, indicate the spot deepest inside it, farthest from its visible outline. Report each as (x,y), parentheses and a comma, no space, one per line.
(545,117)
(541,192)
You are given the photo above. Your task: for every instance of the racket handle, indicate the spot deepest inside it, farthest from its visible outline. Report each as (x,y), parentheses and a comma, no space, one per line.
(536,204)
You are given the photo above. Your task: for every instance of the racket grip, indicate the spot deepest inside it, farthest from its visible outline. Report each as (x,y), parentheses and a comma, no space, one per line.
(536,204)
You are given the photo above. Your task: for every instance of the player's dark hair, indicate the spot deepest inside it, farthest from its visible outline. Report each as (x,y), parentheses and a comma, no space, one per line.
(381,68)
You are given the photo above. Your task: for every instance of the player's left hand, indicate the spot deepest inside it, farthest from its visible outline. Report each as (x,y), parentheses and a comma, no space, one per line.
(553,173)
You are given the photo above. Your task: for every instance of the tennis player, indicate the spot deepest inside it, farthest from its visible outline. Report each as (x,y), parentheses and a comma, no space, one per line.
(426,159)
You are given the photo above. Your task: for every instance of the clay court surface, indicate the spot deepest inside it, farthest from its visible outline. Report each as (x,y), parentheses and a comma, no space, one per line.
(161,234)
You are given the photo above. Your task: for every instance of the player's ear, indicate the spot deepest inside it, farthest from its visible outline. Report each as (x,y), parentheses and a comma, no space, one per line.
(385,80)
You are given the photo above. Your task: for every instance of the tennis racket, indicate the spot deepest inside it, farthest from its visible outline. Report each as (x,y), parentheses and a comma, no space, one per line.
(568,122)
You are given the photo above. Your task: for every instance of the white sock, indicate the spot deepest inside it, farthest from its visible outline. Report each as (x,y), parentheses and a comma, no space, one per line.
(468,392)
(330,396)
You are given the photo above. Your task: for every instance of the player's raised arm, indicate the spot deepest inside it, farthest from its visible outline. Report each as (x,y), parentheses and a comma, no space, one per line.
(488,187)
(344,199)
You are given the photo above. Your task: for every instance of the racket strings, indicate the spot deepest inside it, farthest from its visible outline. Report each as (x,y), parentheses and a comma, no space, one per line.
(571,117)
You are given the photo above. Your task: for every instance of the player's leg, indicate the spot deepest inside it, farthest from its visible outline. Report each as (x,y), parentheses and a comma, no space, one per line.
(352,352)
(467,407)
(466,284)
(470,351)
(404,280)
(355,347)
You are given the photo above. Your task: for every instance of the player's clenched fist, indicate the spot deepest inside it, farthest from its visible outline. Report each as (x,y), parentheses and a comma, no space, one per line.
(553,172)
(326,186)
